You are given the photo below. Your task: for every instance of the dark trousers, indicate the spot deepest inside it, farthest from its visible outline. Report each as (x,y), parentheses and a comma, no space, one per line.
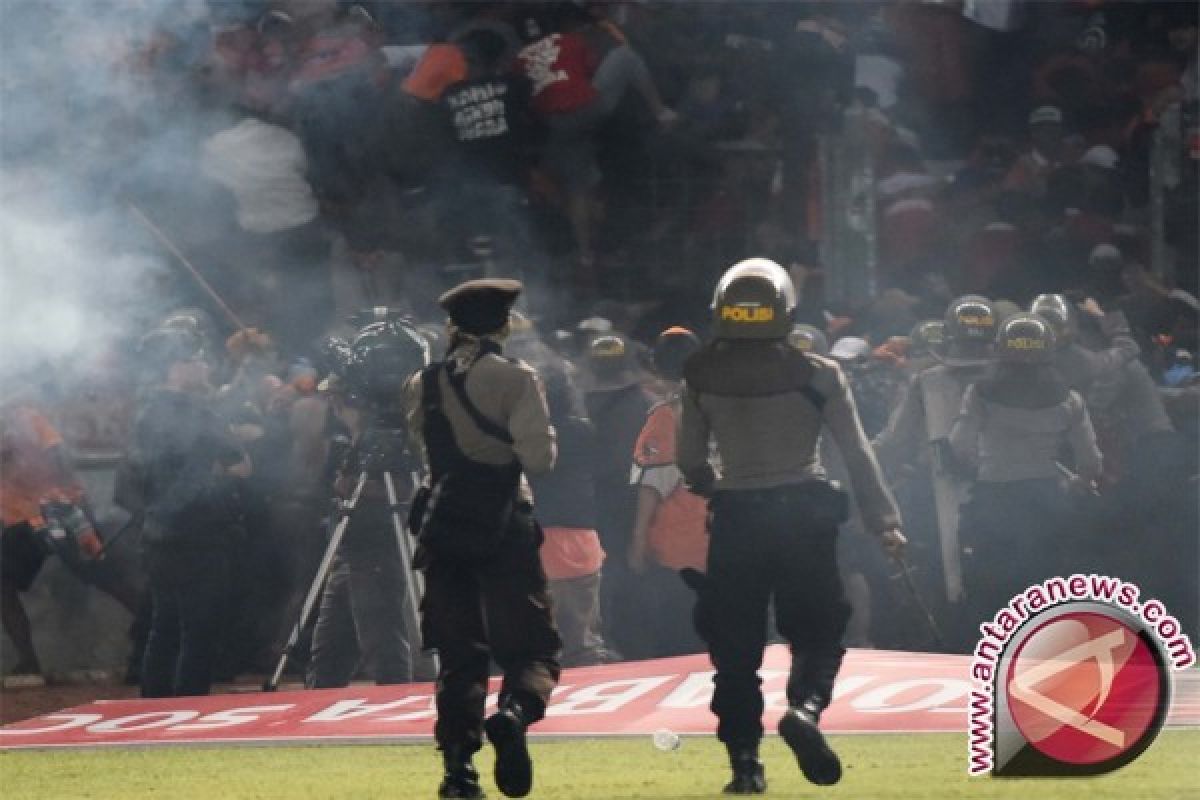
(1014,530)
(766,546)
(667,602)
(481,610)
(362,619)
(577,617)
(188,588)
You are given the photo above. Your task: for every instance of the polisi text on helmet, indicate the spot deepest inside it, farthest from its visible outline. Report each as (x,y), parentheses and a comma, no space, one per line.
(747,313)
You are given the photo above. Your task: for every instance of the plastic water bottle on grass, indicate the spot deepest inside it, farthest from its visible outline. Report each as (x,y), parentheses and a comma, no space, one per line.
(666,740)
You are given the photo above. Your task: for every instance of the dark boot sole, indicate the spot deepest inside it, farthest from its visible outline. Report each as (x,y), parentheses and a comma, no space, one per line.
(737,787)
(819,764)
(463,791)
(514,769)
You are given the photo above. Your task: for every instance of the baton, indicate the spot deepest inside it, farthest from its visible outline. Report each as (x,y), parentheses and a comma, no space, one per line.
(930,620)
(133,522)
(203,284)
(1074,478)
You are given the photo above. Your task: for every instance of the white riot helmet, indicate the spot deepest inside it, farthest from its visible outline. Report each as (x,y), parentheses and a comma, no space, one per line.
(754,299)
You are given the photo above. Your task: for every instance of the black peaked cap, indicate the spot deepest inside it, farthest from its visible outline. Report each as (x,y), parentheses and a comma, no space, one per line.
(481,306)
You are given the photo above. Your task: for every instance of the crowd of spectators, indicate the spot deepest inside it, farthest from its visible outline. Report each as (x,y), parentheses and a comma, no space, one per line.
(327,156)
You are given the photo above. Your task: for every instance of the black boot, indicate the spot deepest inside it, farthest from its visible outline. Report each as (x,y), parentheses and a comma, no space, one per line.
(461,779)
(506,731)
(818,762)
(748,774)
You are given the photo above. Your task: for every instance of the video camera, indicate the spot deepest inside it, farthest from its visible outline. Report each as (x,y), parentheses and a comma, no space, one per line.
(382,355)
(372,369)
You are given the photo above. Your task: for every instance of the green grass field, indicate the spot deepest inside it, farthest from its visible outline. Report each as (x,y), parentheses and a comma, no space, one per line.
(886,766)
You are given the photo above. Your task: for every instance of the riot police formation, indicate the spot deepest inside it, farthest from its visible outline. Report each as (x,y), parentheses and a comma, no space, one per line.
(481,421)
(774,517)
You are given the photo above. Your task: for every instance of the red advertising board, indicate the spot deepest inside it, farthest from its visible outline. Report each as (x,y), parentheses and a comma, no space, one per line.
(877,691)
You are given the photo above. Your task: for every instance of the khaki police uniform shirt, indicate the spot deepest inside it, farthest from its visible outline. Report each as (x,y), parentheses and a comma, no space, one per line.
(506,392)
(1016,444)
(770,440)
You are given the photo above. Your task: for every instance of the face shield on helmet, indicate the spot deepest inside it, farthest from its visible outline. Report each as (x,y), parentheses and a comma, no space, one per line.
(754,299)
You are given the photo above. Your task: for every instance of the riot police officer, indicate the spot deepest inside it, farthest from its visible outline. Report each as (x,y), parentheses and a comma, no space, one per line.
(1080,365)
(482,422)
(809,339)
(925,342)
(925,414)
(774,516)
(1013,425)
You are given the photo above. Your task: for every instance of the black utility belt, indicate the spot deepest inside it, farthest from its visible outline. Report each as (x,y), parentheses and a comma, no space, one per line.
(818,499)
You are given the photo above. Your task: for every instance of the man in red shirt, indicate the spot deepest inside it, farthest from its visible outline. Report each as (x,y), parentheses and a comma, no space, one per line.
(579,75)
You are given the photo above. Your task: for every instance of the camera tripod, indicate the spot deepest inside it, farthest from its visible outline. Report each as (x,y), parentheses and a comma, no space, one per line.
(413,584)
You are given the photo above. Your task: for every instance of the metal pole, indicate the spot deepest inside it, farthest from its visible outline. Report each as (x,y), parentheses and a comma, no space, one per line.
(1165,175)
(196,276)
(314,591)
(930,620)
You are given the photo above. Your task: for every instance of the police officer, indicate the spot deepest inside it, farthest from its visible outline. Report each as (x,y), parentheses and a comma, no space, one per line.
(774,517)
(1146,462)
(1013,425)
(925,414)
(480,413)
(925,342)
(1081,365)
(189,458)
(1119,392)
(809,339)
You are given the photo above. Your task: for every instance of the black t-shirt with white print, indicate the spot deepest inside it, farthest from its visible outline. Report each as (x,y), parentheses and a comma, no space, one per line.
(490,124)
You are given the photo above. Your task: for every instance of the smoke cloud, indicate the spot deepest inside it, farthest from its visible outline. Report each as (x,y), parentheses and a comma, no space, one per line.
(92,115)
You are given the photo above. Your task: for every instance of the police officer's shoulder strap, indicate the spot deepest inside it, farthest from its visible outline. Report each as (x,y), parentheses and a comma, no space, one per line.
(459,384)
(431,390)
(757,369)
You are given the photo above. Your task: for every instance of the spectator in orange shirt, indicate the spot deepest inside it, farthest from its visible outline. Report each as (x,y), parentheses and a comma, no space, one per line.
(442,65)
(35,474)
(670,526)
(571,553)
